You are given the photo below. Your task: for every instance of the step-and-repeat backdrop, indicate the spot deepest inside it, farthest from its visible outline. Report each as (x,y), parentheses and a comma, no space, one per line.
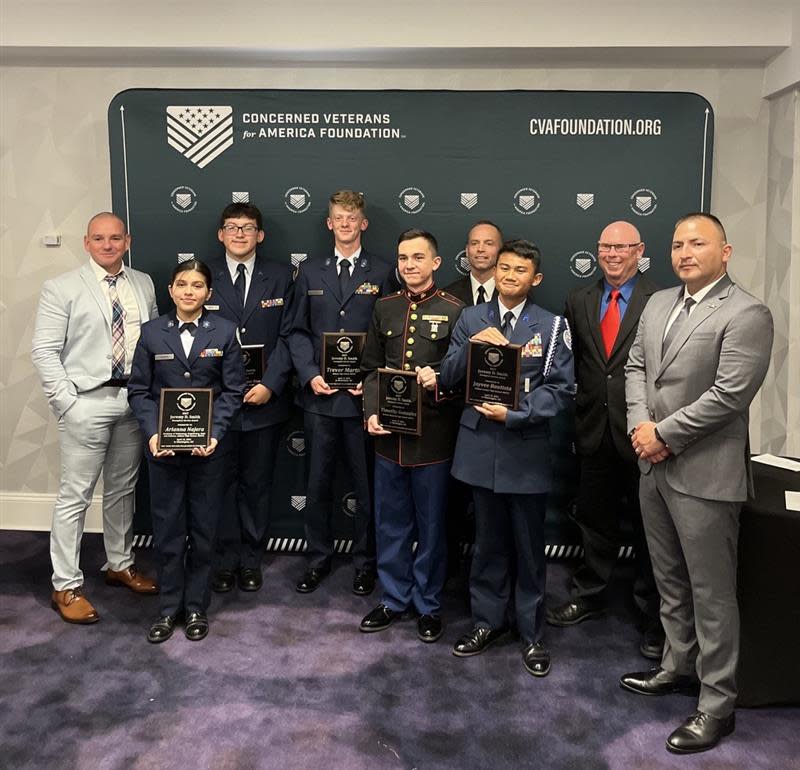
(552,167)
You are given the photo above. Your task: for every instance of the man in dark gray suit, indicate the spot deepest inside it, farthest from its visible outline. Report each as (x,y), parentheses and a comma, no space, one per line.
(700,355)
(483,244)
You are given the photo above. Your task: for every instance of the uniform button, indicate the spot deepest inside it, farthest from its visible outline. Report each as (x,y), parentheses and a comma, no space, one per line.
(409,353)
(243,330)
(341,331)
(413,305)
(389,333)
(412,329)
(341,313)
(187,375)
(609,376)
(406,366)
(410,340)
(413,316)
(433,335)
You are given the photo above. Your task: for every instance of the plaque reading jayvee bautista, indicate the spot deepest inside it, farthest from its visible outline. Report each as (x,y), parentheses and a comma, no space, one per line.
(399,402)
(341,358)
(184,418)
(493,374)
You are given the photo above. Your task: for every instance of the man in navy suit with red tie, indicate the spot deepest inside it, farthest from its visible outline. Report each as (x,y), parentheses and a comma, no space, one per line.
(256,295)
(336,294)
(603,318)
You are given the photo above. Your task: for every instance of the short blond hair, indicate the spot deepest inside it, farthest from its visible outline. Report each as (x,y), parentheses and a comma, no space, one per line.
(348,199)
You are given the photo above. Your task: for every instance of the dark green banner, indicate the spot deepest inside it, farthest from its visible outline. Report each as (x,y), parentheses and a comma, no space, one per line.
(553,167)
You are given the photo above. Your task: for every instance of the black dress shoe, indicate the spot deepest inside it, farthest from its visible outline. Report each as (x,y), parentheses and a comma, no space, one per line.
(364,582)
(250,579)
(311,580)
(656,681)
(223,581)
(536,658)
(162,629)
(429,628)
(700,732)
(572,612)
(196,627)
(476,641)
(379,619)
(652,644)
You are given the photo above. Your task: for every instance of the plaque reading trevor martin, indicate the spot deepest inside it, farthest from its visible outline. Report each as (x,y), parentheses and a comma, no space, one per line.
(184,418)
(493,374)
(341,358)
(399,402)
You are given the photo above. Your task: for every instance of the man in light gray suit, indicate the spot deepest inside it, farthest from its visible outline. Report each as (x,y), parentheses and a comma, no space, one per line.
(700,355)
(87,326)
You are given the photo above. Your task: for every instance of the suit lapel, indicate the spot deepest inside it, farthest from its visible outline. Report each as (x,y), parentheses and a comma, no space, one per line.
(360,274)
(526,326)
(223,289)
(331,278)
(591,305)
(144,308)
(705,308)
(173,338)
(205,327)
(90,279)
(259,284)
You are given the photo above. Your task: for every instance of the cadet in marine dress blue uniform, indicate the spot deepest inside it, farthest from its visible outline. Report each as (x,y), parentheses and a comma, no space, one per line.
(186,349)
(505,454)
(256,295)
(336,294)
(410,331)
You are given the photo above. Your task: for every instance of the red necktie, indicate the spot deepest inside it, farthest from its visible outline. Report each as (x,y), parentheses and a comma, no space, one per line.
(609,326)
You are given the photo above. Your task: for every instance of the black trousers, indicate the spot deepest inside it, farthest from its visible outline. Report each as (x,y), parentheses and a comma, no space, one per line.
(248,488)
(328,439)
(608,493)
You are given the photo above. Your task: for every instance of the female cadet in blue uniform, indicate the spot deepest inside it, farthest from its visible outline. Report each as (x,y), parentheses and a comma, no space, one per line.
(186,349)
(505,456)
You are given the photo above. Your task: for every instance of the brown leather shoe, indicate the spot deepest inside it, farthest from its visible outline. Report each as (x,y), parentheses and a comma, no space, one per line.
(73,606)
(131,578)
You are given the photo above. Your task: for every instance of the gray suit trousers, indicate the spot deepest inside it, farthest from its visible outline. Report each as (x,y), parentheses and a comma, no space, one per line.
(691,536)
(97,433)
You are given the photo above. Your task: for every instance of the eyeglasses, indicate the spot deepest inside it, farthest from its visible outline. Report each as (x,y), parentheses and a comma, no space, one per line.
(618,247)
(233,229)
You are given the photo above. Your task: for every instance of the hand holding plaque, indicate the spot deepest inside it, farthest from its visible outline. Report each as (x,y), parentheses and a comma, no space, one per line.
(341,359)
(399,401)
(493,373)
(184,418)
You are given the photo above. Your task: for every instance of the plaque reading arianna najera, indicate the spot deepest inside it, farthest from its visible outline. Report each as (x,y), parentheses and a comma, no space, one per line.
(184,418)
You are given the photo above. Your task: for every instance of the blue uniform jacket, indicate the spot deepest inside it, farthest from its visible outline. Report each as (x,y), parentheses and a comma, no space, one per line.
(320,307)
(512,457)
(265,320)
(215,361)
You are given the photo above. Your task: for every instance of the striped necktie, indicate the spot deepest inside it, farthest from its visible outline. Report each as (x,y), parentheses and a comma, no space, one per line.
(117,329)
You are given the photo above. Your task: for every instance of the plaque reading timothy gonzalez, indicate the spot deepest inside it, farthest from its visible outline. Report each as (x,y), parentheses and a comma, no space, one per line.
(184,418)
(493,374)
(399,402)
(341,358)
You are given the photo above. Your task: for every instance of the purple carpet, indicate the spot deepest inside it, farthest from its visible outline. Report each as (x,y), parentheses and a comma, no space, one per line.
(287,681)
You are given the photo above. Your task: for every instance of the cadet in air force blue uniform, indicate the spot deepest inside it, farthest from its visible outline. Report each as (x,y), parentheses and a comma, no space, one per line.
(505,454)
(255,295)
(186,349)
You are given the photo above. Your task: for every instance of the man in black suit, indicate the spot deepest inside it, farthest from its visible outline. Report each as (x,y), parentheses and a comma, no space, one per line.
(483,244)
(603,318)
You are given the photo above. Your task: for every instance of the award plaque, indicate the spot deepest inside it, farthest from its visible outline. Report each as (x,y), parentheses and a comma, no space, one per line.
(341,358)
(399,401)
(493,374)
(184,418)
(253,357)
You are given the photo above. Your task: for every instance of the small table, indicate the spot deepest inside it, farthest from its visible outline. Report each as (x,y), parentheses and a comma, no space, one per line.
(769,591)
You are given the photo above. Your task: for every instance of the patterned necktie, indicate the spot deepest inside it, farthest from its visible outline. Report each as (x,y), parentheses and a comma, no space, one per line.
(117,329)
(481,295)
(506,328)
(239,284)
(344,276)
(190,327)
(679,321)
(609,326)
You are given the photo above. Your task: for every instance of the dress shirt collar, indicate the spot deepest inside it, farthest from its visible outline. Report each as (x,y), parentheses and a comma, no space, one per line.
(101,273)
(488,287)
(625,290)
(233,264)
(704,292)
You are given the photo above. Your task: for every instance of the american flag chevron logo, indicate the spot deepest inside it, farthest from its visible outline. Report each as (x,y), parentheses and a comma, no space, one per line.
(200,133)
